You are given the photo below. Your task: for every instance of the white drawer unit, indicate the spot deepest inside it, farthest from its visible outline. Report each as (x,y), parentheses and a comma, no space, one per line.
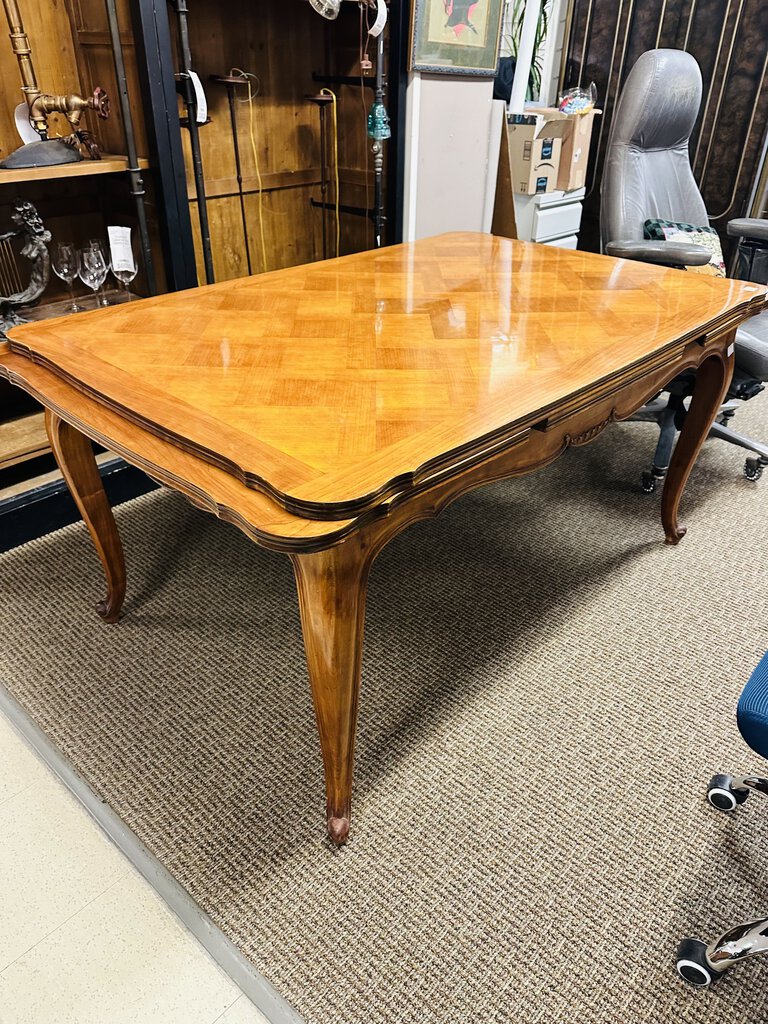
(569,242)
(550,217)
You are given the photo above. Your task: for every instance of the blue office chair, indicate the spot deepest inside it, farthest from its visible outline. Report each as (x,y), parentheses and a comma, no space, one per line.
(703,964)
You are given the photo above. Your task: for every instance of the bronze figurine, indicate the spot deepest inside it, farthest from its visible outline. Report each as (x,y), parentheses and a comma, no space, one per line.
(30,230)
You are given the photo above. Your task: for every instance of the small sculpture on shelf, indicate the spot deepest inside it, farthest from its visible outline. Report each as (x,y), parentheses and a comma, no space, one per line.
(28,228)
(72,107)
(46,151)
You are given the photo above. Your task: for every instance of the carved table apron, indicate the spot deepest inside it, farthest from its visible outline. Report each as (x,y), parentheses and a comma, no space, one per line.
(323,409)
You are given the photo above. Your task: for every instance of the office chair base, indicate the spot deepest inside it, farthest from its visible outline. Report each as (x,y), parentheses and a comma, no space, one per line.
(652,477)
(702,965)
(753,468)
(726,792)
(693,966)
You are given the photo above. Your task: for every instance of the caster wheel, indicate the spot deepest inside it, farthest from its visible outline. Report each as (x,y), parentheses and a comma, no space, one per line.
(753,469)
(722,795)
(692,964)
(648,482)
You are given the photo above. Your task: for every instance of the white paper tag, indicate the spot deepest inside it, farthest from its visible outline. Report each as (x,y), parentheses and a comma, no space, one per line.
(202,102)
(23,127)
(731,349)
(381,20)
(120,249)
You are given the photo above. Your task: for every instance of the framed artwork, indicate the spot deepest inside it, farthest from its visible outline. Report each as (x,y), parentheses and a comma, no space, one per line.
(456,37)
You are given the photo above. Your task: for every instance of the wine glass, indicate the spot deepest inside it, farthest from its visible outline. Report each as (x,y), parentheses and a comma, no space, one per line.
(126,274)
(65,265)
(125,277)
(97,246)
(92,270)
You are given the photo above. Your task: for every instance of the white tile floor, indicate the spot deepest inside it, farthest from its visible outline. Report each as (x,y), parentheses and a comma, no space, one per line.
(83,938)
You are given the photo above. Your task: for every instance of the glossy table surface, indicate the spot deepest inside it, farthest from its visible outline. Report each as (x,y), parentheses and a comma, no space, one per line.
(332,386)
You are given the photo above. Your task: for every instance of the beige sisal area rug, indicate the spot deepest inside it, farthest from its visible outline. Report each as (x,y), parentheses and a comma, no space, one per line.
(546,691)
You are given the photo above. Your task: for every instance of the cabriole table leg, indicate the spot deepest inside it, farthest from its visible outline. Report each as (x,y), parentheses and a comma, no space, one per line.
(332,586)
(74,454)
(712,380)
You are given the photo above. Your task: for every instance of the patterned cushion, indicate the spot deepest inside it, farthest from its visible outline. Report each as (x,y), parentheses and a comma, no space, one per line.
(673,231)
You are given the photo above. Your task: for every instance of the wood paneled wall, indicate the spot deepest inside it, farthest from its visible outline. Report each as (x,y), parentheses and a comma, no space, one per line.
(729,39)
(90,29)
(282,44)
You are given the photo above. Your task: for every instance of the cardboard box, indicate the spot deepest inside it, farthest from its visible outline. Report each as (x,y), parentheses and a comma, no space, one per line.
(574,153)
(534,153)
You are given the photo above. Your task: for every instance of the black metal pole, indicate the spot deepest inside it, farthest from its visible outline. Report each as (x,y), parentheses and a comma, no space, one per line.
(190,102)
(239,173)
(229,82)
(322,100)
(398,32)
(323,176)
(154,56)
(134,173)
(378,151)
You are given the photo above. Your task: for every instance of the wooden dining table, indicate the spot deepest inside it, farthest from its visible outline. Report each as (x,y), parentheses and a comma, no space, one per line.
(324,408)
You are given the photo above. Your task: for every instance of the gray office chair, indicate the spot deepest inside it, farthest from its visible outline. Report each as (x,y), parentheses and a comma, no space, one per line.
(648,175)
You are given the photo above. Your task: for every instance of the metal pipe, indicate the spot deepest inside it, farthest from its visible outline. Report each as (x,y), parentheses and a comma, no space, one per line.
(134,173)
(323,176)
(23,51)
(190,102)
(378,150)
(229,82)
(322,99)
(239,172)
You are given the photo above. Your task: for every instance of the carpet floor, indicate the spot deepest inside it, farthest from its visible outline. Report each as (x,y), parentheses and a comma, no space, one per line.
(546,691)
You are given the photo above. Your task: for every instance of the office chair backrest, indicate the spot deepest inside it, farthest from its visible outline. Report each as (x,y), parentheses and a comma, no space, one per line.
(647,171)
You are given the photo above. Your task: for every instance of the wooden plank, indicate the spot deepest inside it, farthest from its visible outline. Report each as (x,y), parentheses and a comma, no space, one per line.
(23,438)
(227,186)
(109,164)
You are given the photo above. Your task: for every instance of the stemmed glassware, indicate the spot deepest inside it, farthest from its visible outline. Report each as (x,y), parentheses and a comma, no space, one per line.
(125,275)
(92,269)
(64,260)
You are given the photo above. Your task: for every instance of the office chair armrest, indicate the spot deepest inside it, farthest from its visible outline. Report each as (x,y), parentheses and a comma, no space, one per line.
(749,227)
(668,254)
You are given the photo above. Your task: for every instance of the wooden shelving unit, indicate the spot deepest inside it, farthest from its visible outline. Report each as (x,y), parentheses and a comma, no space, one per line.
(22,438)
(109,164)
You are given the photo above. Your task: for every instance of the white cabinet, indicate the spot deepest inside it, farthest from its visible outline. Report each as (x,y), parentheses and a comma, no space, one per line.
(550,217)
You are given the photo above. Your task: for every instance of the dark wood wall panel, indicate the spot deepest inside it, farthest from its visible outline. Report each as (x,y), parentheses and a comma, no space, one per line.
(729,39)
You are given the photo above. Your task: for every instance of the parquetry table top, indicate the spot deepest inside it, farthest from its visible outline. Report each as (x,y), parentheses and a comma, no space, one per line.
(334,385)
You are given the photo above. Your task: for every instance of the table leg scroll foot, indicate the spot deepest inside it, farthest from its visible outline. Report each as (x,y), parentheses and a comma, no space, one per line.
(712,379)
(74,456)
(331,585)
(338,830)
(676,535)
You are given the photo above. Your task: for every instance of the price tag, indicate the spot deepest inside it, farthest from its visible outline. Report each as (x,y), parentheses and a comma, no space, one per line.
(120,249)
(201,102)
(23,127)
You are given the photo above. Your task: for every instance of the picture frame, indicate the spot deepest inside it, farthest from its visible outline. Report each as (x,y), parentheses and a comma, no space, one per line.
(456,37)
